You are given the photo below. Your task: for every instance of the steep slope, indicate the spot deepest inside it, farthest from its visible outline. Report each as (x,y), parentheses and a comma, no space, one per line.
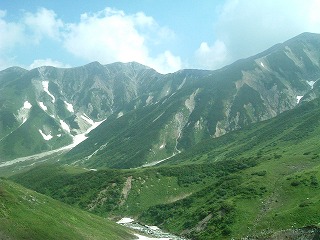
(200,105)
(291,135)
(261,181)
(26,214)
(47,108)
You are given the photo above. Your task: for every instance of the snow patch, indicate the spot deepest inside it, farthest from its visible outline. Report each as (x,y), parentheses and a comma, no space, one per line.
(69,106)
(125,220)
(45,137)
(153,227)
(299,98)
(120,114)
(23,112)
(140,237)
(44,107)
(65,126)
(27,105)
(153,232)
(59,135)
(45,85)
(311,83)
(262,65)
(162,146)
(81,137)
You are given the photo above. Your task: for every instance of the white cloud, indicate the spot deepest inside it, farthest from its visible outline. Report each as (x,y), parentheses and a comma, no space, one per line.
(211,57)
(106,36)
(43,23)
(248,27)
(11,33)
(111,35)
(47,62)
(245,27)
(165,62)
(29,30)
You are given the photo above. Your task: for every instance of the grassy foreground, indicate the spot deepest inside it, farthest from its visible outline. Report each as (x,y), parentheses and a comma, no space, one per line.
(25,214)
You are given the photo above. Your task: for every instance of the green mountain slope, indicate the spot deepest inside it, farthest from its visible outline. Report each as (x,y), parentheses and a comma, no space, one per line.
(261,181)
(26,214)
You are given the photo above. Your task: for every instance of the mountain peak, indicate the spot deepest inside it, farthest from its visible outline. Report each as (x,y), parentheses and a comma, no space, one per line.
(133,64)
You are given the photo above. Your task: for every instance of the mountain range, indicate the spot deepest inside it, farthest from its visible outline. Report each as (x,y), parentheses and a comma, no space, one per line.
(143,116)
(229,153)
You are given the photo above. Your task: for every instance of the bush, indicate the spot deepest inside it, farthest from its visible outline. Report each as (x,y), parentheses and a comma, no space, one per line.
(295,183)
(314,181)
(260,173)
(226,231)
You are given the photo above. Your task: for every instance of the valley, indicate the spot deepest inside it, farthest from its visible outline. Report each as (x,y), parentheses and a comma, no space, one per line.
(225,154)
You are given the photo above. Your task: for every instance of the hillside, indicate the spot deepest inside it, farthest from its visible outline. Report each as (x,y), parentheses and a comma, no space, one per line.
(26,214)
(291,135)
(261,181)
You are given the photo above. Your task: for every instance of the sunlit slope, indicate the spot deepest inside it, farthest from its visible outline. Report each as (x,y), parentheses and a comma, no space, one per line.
(26,214)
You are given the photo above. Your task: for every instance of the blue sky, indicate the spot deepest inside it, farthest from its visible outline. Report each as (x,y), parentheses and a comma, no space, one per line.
(165,35)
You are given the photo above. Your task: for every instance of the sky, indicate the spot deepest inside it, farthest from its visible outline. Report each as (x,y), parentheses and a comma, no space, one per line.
(165,35)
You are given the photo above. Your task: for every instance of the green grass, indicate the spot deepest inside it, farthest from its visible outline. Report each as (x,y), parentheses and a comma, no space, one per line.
(231,198)
(26,214)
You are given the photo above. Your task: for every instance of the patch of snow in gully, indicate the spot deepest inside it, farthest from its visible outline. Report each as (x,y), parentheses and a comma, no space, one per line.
(311,83)
(81,137)
(299,98)
(44,107)
(27,105)
(69,106)
(65,126)
(125,220)
(45,137)
(45,85)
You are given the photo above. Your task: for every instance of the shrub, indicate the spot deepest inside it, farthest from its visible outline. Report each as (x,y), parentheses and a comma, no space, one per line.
(314,181)
(260,173)
(295,183)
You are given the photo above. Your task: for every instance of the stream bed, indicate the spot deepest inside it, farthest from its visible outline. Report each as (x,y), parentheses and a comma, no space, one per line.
(149,232)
